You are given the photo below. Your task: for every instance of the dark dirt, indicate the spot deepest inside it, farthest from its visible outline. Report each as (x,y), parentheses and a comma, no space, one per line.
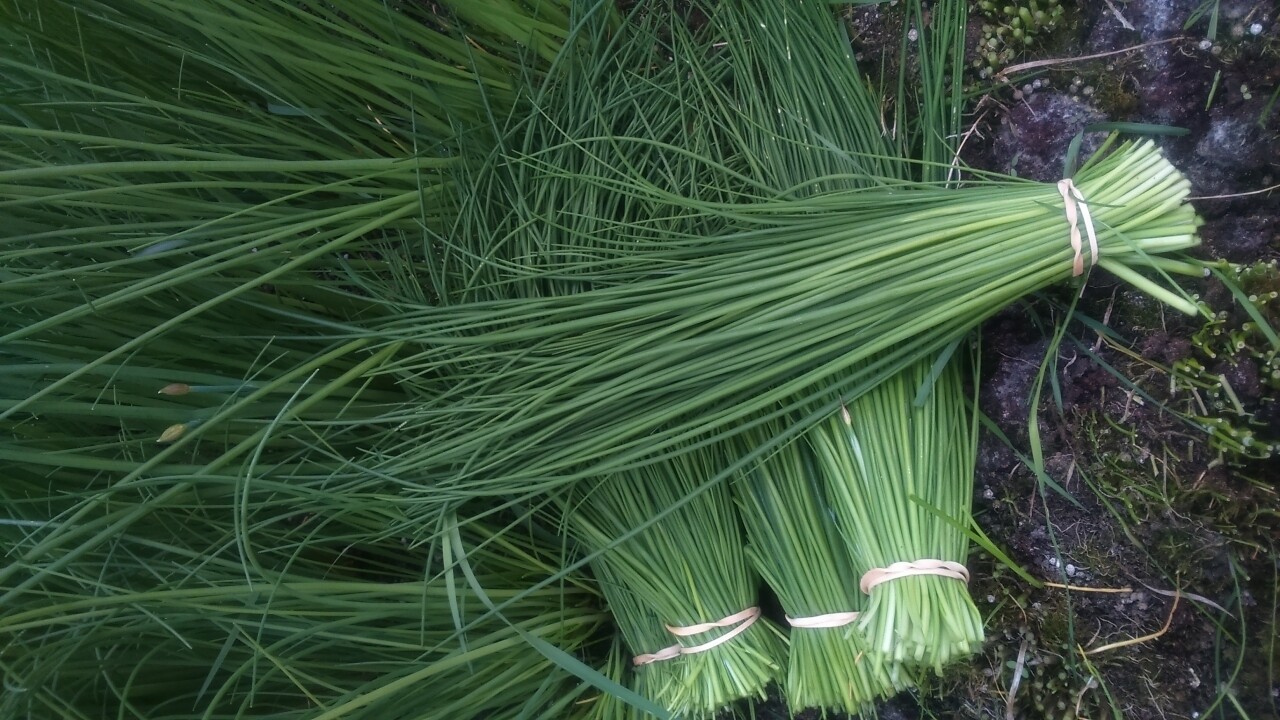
(1151,502)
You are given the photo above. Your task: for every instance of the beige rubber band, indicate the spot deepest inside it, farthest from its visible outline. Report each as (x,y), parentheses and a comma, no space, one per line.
(1076,208)
(666,653)
(943,568)
(743,620)
(830,620)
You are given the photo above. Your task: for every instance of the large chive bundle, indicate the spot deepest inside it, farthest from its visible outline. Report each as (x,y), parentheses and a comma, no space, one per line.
(897,464)
(650,263)
(785,309)
(673,542)
(793,543)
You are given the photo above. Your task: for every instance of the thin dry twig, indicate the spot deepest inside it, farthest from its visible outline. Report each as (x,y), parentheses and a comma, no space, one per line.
(1123,22)
(1091,684)
(1061,61)
(1145,638)
(1080,588)
(954,170)
(1236,195)
(1189,596)
(1009,710)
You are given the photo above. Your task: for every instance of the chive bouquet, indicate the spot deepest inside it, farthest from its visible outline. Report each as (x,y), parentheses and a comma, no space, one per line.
(897,466)
(802,298)
(630,294)
(625,294)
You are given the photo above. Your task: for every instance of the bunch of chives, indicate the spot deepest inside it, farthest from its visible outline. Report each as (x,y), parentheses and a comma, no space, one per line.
(686,340)
(686,568)
(644,638)
(897,465)
(792,541)
(627,298)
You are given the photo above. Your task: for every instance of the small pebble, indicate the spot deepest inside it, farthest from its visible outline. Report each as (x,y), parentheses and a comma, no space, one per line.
(912,34)
(1071,570)
(1087,91)
(1255,29)
(1206,44)
(991,598)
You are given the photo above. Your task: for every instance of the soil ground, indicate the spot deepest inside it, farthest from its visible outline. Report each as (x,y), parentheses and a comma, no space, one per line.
(1156,427)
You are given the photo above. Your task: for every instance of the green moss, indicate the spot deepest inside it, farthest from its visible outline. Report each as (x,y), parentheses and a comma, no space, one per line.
(1011,27)
(1233,337)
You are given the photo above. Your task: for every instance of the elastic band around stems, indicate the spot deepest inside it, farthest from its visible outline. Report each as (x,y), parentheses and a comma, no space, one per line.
(942,568)
(742,620)
(829,620)
(666,653)
(1076,207)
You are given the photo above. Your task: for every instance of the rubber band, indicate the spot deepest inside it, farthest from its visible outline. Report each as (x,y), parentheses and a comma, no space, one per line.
(830,620)
(742,620)
(942,568)
(666,653)
(1075,207)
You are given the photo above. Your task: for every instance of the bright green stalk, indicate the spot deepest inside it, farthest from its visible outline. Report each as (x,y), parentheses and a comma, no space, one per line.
(793,543)
(890,467)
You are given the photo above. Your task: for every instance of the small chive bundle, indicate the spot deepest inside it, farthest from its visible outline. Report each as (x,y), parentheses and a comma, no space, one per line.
(793,543)
(897,465)
(643,633)
(686,567)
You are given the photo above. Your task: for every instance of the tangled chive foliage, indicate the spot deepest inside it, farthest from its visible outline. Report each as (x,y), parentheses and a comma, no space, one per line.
(180,618)
(185,188)
(897,463)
